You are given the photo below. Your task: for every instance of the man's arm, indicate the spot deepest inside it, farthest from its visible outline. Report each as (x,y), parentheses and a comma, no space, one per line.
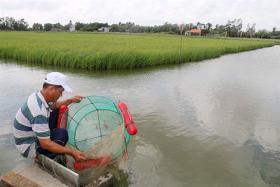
(56,148)
(74,99)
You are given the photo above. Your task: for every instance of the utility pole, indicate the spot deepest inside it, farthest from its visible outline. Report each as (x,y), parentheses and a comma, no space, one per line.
(181,28)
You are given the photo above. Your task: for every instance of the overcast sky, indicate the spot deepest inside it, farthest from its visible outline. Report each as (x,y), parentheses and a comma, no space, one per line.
(265,13)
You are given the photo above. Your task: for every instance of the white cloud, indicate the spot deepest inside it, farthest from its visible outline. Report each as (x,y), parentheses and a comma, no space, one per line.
(145,12)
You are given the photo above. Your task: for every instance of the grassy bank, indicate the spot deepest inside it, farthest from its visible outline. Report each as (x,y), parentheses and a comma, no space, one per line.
(115,51)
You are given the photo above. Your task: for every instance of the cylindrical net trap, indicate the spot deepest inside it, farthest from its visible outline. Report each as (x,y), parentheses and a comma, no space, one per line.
(96,127)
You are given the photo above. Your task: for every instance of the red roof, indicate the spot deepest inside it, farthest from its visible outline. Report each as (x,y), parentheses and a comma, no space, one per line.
(195,31)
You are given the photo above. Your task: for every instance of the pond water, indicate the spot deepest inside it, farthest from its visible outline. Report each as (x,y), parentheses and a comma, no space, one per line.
(212,123)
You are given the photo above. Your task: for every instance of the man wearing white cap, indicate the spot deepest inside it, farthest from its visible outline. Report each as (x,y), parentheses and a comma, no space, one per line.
(34,125)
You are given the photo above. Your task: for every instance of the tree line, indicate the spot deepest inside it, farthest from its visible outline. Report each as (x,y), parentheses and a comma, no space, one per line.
(233,28)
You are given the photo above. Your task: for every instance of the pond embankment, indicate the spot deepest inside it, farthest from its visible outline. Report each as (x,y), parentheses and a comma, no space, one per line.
(117,51)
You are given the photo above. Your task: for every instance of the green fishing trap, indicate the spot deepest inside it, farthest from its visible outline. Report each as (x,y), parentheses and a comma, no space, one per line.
(96,126)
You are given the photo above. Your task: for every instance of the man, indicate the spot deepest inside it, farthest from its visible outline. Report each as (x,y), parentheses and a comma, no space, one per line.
(31,128)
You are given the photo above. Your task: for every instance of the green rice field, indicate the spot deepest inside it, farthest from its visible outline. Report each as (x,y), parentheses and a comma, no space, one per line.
(108,51)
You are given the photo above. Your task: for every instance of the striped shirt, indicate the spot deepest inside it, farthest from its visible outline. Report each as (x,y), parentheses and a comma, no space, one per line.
(31,122)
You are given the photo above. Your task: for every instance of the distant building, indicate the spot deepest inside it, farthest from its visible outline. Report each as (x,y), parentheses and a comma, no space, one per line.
(193,32)
(201,26)
(55,29)
(71,27)
(104,29)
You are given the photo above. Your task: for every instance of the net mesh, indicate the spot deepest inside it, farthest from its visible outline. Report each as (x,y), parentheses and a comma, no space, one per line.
(95,127)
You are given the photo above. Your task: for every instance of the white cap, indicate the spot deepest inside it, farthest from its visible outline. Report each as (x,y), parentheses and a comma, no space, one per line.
(56,78)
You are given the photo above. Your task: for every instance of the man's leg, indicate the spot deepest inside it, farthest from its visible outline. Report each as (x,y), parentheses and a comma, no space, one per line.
(59,136)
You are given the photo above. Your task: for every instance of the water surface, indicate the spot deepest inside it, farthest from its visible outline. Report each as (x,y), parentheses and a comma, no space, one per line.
(212,123)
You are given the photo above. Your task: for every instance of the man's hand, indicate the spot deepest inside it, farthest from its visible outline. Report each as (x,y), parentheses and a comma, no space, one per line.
(75,99)
(78,156)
